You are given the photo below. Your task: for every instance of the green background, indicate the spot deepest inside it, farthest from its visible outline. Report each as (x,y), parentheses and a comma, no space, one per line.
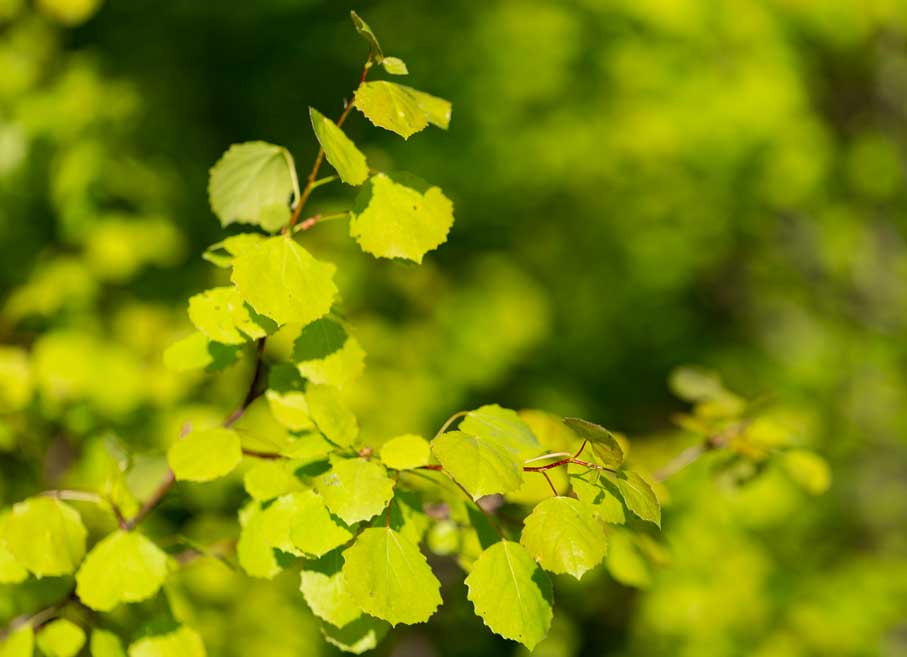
(638,185)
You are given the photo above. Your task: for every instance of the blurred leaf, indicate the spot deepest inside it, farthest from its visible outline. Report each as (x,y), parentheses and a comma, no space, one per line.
(480,466)
(355,489)
(394,66)
(808,469)
(205,455)
(106,644)
(123,567)
(184,642)
(639,496)
(19,643)
(406,452)
(60,638)
(45,536)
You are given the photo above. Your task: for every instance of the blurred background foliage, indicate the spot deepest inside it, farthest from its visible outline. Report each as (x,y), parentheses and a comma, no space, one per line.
(638,184)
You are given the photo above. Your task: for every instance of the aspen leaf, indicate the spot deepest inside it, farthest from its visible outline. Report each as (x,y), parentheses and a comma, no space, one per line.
(639,496)
(123,567)
(388,577)
(325,353)
(45,536)
(339,149)
(11,572)
(481,467)
(400,216)
(366,33)
(106,644)
(594,489)
(357,637)
(391,106)
(394,66)
(564,536)
(265,528)
(60,638)
(324,589)
(602,441)
(511,593)
(205,455)
(252,183)
(355,489)
(282,281)
(331,415)
(314,531)
(195,352)
(437,110)
(183,642)
(222,316)
(19,643)
(501,427)
(405,452)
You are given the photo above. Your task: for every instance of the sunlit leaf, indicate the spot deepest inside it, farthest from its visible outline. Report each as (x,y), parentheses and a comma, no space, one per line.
(123,567)
(391,106)
(60,638)
(45,536)
(355,489)
(388,577)
(324,589)
(511,593)
(603,442)
(482,468)
(564,536)
(184,642)
(106,644)
(205,455)
(639,496)
(313,529)
(339,149)
(405,452)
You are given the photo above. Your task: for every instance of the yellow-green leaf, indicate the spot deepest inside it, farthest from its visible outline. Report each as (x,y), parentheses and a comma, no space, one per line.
(60,638)
(106,644)
(511,593)
(603,442)
(324,589)
(314,530)
(184,642)
(282,280)
(388,577)
(400,216)
(205,455)
(639,496)
(45,536)
(394,66)
(222,316)
(123,567)
(326,353)
(19,643)
(564,536)
(332,416)
(355,489)
(406,452)
(252,183)
(339,149)
(482,468)
(391,106)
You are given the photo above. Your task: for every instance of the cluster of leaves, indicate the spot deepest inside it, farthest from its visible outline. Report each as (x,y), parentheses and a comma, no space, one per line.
(354,515)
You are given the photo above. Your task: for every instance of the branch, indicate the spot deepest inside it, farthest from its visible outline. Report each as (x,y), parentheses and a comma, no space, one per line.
(311,181)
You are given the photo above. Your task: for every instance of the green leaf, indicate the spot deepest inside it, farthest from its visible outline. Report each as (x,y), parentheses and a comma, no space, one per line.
(11,572)
(221,315)
(400,217)
(184,642)
(313,529)
(325,353)
(592,488)
(339,149)
(405,516)
(268,479)
(123,567)
(195,352)
(264,529)
(406,452)
(389,578)
(106,644)
(564,536)
(324,589)
(437,110)
(233,245)
(355,489)
(252,183)
(361,635)
(625,563)
(19,643)
(511,593)
(394,66)
(808,469)
(333,418)
(15,379)
(205,455)
(45,536)
(391,106)
(261,432)
(282,280)
(482,468)
(603,442)
(286,398)
(696,384)
(503,428)
(639,496)
(61,638)
(366,33)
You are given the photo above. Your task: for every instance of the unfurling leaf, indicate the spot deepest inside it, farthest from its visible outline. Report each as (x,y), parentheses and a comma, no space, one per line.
(603,442)
(389,578)
(400,216)
(394,66)
(339,149)
(252,183)
(511,593)
(123,567)
(366,33)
